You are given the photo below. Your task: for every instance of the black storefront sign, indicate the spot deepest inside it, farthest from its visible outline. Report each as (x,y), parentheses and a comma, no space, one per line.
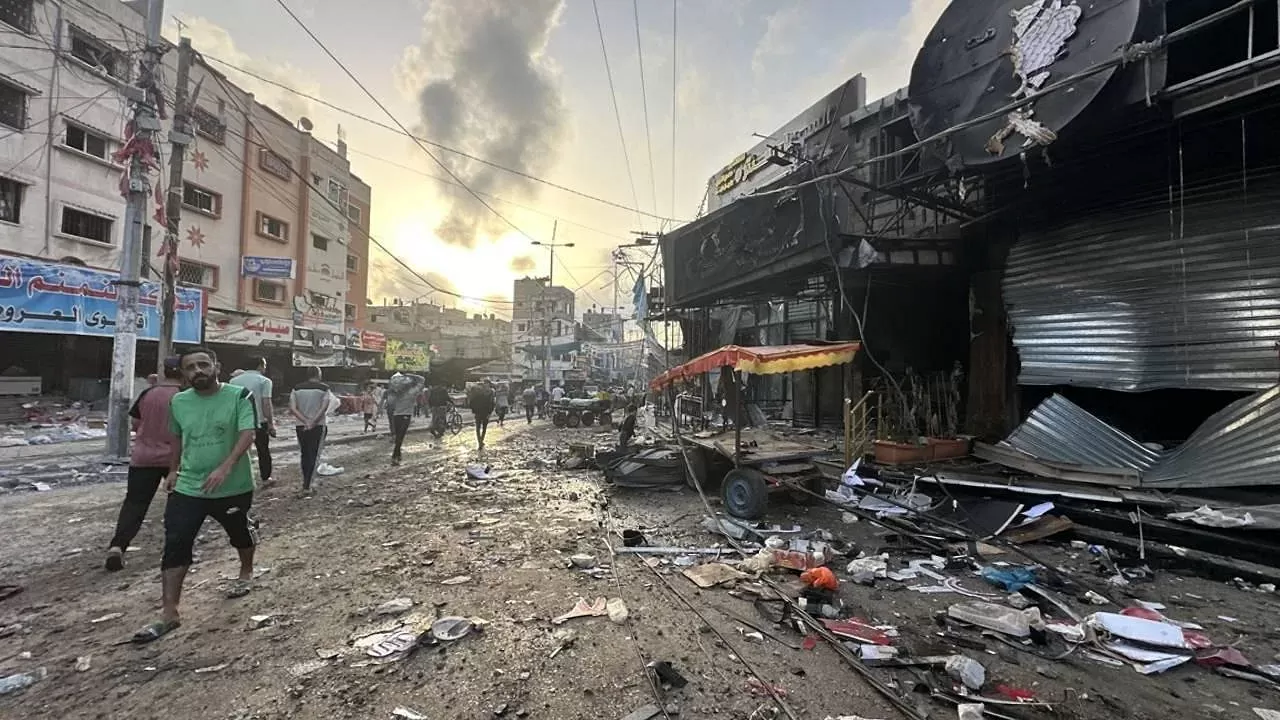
(735,246)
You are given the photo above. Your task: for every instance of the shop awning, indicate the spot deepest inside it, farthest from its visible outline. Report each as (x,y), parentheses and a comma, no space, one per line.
(764,360)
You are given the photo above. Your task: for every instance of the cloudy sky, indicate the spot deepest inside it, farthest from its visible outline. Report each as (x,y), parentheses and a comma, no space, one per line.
(522,84)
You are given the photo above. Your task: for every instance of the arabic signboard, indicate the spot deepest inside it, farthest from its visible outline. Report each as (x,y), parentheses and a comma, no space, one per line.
(44,297)
(812,136)
(255,330)
(408,356)
(321,358)
(366,340)
(280,268)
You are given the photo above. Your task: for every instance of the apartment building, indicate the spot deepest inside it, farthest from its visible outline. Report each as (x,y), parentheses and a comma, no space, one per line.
(268,212)
(543,325)
(452,334)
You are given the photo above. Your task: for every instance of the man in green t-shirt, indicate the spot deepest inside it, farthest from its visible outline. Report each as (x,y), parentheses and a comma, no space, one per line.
(214,425)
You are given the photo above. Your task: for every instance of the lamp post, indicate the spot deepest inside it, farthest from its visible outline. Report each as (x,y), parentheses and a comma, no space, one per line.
(546,366)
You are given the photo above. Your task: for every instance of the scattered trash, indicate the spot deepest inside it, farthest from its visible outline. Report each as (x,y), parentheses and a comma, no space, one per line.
(666,674)
(564,639)
(632,538)
(820,578)
(759,563)
(1208,517)
(1147,662)
(1018,601)
(599,608)
(849,518)
(1266,714)
(876,653)
(708,575)
(8,630)
(479,472)
(617,610)
(1012,579)
(326,470)
(458,580)
(212,668)
(14,683)
(857,630)
(260,621)
(395,646)
(999,618)
(1018,694)
(761,689)
(864,571)
(1141,630)
(583,561)
(970,711)
(754,636)
(967,671)
(449,629)
(407,714)
(645,712)
(83,663)
(395,607)
(1095,598)
(106,618)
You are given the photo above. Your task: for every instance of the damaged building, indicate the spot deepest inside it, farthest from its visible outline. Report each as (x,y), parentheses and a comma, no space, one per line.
(1059,239)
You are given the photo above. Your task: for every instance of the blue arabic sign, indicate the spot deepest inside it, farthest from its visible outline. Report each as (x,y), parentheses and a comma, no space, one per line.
(43,297)
(267,267)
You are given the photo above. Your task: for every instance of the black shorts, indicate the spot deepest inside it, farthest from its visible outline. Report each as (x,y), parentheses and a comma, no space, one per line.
(184,515)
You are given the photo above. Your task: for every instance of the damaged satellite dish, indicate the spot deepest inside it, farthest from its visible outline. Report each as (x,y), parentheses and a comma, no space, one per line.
(305,123)
(984,54)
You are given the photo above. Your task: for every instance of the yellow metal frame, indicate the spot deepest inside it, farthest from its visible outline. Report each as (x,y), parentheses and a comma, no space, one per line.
(857,428)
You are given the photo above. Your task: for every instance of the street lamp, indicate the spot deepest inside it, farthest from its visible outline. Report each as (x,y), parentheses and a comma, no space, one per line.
(551,270)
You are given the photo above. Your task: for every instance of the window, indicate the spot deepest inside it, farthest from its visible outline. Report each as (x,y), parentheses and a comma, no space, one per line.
(337,193)
(11,200)
(349,312)
(86,226)
(98,55)
(276,164)
(268,291)
(17,13)
(354,213)
(273,228)
(13,106)
(209,125)
(198,274)
(520,327)
(198,198)
(353,263)
(460,351)
(320,242)
(87,142)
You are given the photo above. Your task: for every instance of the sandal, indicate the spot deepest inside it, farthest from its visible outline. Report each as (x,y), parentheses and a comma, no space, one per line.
(238,589)
(115,560)
(155,631)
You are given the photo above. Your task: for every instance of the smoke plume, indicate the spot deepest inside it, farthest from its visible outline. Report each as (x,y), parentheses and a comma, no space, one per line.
(484,87)
(522,264)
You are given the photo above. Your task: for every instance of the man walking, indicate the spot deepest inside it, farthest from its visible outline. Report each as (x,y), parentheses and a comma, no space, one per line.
(309,403)
(149,461)
(209,476)
(502,403)
(439,402)
(369,406)
(480,400)
(402,395)
(530,400)
(254,380)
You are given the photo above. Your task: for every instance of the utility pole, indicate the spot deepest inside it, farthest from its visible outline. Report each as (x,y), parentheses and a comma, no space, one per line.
(179,139)
(146,97)
(551,272)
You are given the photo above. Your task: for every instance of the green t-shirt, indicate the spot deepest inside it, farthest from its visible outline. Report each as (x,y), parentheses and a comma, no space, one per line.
(208,427)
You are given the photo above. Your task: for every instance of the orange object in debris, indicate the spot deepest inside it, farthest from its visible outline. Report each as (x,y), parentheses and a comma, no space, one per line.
(820,578)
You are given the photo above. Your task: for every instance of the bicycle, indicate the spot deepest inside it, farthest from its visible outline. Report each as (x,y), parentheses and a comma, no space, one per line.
(454,422)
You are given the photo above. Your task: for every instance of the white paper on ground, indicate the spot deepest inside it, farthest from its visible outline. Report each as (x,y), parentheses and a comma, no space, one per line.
(1148,662)
(1031,515)
(1148,632)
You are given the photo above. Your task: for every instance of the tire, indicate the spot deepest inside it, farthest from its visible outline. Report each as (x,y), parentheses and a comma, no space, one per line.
(606,419)
(572,420)
(745,493)
(559,419)
(455,423)
(588,419)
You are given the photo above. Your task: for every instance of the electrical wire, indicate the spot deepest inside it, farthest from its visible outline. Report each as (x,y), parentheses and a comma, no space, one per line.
(644,104)
(613,94)
(439,146)
(372,240)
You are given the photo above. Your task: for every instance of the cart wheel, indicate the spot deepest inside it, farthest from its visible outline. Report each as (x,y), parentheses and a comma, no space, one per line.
(572,420)
(745,493)
(588,419)
(559,419)
(606,420)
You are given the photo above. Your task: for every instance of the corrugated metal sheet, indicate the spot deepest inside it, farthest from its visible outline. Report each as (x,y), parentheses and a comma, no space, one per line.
(1235,447)
(1150,300)
(1061,431)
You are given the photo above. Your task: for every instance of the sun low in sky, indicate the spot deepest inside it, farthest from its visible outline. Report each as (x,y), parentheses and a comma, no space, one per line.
(605,117)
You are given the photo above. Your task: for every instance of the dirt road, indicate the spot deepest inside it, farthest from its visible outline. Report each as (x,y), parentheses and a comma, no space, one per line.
(376,533)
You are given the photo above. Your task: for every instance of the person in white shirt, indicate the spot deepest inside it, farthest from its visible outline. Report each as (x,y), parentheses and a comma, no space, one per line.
(557,393)
(255,380)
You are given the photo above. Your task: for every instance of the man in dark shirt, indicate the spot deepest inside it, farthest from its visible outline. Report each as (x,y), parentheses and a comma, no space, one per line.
(439,402)
(480,399)
(149,461)
(628,430)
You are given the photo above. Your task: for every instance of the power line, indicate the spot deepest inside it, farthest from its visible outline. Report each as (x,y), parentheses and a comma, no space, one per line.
(374,241)
(626,158)
(675,46)
(439,146)
(644,103)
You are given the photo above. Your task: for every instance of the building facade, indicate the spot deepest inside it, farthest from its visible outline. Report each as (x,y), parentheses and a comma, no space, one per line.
(266,241)
(544,339)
